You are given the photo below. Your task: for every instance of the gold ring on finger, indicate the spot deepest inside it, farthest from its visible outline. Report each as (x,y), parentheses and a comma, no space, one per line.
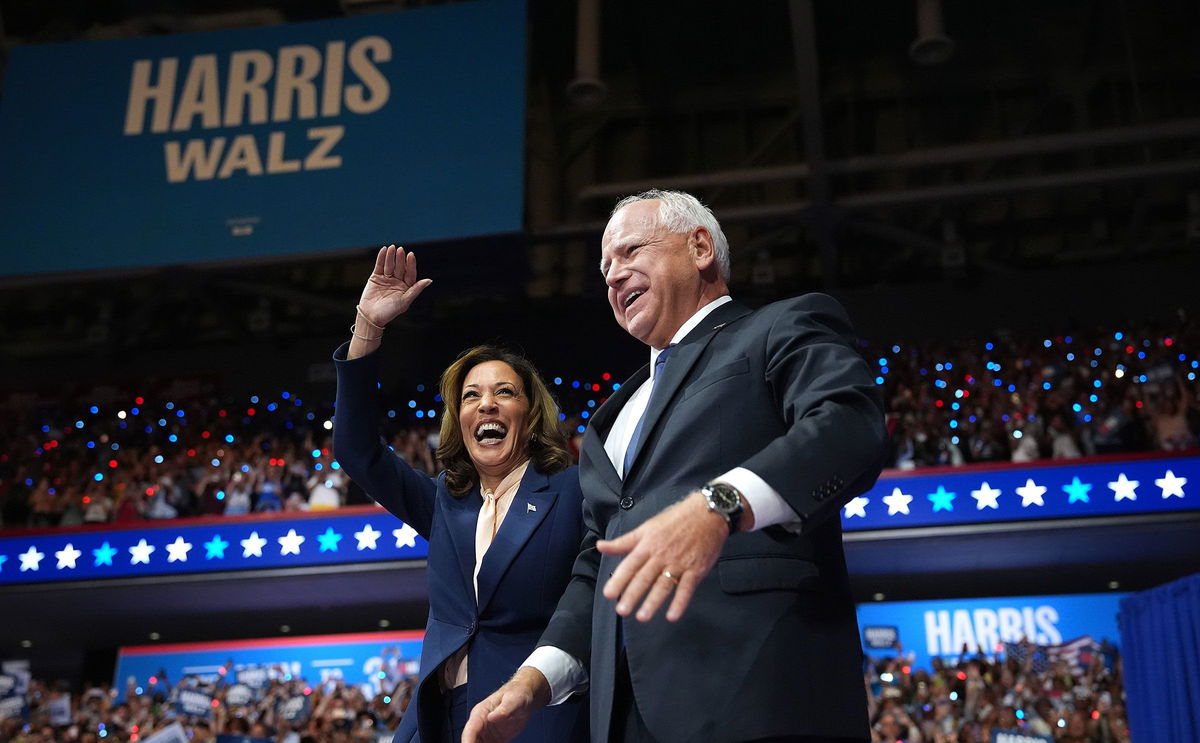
(668,576)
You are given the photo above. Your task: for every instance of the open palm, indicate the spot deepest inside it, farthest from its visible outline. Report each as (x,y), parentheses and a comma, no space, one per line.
(392,287)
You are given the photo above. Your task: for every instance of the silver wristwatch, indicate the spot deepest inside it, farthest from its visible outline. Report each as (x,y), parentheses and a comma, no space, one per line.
(725,500)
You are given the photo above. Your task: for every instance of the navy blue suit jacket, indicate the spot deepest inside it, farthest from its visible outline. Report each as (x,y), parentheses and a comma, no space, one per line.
(522,577)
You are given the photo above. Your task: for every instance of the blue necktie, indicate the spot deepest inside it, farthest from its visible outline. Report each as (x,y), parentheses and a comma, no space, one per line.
(659,364)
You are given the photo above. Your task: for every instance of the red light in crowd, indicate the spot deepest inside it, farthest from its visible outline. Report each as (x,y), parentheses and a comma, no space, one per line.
(606,376)
(962,676)
(215,704)
(906,669)
(603,400)
(966,394)
(87,499)
(205,434)
(938,403)
(221,413)
(1168,342)
(140,400)
(325,452)
(249,411)
(1128,349)
(153,680)
(271,461)
(133,738)
(307,690)
(595,388)
(1095,714)
(191,452)
(150,491)
(222,671)
(1139,403)
(133,729)
(281,462)
(112,463)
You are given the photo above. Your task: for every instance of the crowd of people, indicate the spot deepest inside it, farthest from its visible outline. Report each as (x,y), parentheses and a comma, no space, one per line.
(1012,398)
(968,701)
(961,701)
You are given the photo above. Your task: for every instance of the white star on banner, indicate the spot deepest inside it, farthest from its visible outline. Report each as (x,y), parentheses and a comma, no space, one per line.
(30,559)
(1171,484)
(406,536)
(985,497)
(897,502)
(857,507)
(252,545)
(177,551)
(366,538)
(67,556)
(140,552)
(1123,488)
(1031,493)
(289,544)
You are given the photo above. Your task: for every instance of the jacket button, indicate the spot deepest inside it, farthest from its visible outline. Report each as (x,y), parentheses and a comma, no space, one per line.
(626,502)
(473,628)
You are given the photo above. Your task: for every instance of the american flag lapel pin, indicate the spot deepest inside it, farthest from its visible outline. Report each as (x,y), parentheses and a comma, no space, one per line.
(530,508)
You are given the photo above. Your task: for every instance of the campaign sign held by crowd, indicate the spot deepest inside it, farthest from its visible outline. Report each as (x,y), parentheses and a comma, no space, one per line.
(268,141)
(193,703)
(294,708)
(876,637)
(239,695)
(1016,736)
(173,733)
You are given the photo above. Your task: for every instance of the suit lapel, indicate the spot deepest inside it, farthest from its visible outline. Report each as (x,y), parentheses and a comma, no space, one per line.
(530,506)
(679,367)
(602,421)
(461,516)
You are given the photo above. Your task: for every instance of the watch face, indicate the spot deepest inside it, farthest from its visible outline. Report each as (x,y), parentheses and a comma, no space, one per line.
(724,498)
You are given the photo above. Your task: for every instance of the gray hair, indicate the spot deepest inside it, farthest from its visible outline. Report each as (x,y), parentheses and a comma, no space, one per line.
(680,212)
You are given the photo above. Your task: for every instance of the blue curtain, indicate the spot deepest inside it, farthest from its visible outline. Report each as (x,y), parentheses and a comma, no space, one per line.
(1160,642)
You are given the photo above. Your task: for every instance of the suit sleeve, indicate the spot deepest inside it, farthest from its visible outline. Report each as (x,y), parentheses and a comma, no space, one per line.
(835,437)
(360,450)
(570,627)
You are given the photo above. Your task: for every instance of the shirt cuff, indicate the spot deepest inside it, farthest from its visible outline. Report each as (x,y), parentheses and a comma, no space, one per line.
(565,674)
(768,505)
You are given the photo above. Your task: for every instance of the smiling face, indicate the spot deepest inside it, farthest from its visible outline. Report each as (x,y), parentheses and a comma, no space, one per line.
(656,279)
(493,417)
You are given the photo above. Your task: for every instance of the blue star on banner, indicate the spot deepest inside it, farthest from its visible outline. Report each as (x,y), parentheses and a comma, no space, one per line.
(3,559)
(104,555)
(942,499)
(214,549)
(329,540)
(1077,491)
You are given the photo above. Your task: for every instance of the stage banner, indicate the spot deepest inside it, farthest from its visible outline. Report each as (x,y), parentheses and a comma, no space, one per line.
(272,141)
(941,629)
(374,662)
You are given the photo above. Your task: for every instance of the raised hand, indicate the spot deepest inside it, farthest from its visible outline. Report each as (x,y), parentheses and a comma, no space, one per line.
(392,287)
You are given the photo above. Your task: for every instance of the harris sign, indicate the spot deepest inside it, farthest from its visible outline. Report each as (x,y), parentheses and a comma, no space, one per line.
(264,142)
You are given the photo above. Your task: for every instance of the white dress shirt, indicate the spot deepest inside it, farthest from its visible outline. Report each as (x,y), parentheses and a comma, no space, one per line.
(564,672)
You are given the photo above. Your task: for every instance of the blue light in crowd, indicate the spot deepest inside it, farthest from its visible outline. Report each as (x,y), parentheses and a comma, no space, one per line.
(1097,351)
(149,429)
(296,401)
(391,414)
(170,406)
(220,495)
(1142,378)
(311,416)
(46,429)
(958,394)
(949,366)
(1118,335)
(229,438)
(924,371)
(954,424)
(115,446)
(245,468)
(1141,354)
(616,386)
(289,425)
(939,367)
(1196,364)
(412,404)
(318,467)
(1012,388)
(162,421)
(95,409)
(989,345)
(558,380)
(972,419)
(1094,364)
(420,388)
(123,425)
(179,413)
(334,466)
(29,482)
(272,406)
(591,403)
(216,462)
(286,395)
(1045,385)
(1191,376)
(1047,343)
(585,414)
(1093,398)
(883,370)
(954,406)
(437,398)
(1020,714)
(878,380)
(133,411)
(254,399)
(883,362)
(575,384)
(1077,407)
(1097,384)
(91,444)
(895,349)
(1183,357)
(1069,339)
(997,383)
(431,413)
(562,416)
(1070,357)
(581,429)
(1087,418)
(954,440)
(98,477)
(78,424)
(316,453)
(420,413)
(172,438)
(139,691)
(1004,417)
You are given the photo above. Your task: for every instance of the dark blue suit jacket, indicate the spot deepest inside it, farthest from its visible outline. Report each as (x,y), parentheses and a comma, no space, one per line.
(769,645)
(523,575)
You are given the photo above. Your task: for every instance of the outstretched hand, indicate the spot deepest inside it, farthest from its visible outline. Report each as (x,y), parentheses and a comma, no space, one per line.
(668,554)
(392,287)
(502,716)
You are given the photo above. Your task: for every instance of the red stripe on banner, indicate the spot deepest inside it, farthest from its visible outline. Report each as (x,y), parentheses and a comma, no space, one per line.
(897,474)
(275,642)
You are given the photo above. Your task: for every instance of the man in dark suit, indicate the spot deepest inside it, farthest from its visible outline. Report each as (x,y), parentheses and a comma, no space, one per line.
(736,446)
